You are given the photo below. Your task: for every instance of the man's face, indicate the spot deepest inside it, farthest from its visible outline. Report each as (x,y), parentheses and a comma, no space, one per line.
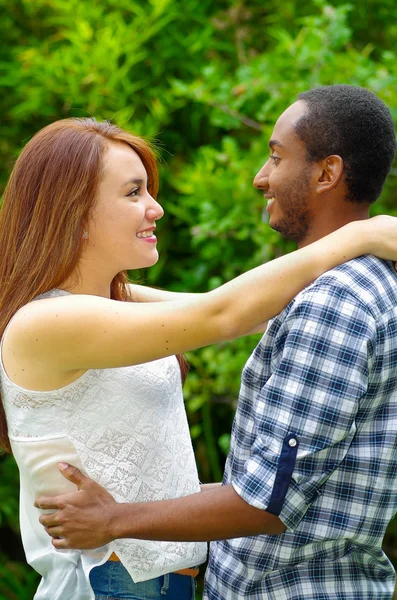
(287,179)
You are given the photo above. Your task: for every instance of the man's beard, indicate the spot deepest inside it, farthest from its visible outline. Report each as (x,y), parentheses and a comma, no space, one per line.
(295,221)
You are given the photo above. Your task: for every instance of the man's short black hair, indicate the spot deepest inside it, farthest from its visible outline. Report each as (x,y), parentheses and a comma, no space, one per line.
(355,124)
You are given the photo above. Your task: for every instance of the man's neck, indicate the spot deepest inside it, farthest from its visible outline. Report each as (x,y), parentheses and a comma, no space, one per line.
(324,226)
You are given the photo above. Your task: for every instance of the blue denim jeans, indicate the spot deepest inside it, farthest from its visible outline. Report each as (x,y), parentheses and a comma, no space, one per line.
(111,581)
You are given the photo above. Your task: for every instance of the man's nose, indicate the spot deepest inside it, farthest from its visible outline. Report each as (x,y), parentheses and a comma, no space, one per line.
(261,179)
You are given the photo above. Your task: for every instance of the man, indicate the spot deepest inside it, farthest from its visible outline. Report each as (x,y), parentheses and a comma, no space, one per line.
(311,470)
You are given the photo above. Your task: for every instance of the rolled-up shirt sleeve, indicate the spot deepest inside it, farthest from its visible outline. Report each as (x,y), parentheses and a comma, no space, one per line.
(304,416)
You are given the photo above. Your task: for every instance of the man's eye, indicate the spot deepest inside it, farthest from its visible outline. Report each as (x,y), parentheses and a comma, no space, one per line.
(275,159)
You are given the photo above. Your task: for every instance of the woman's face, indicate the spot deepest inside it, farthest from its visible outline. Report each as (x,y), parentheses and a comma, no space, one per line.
(121,229)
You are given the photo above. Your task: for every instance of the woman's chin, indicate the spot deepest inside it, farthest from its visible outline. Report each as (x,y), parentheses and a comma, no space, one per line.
(143,264)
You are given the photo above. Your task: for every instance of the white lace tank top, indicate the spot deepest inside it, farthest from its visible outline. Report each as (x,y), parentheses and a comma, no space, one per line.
(126,428)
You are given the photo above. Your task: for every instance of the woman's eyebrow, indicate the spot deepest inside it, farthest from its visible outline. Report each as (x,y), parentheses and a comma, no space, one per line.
(137,181)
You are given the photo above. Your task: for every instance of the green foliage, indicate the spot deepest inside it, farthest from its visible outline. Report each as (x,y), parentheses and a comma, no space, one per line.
(9,494)
(207,81)
(17,580)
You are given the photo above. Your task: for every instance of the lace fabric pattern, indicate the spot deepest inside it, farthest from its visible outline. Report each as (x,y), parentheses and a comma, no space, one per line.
(130,430)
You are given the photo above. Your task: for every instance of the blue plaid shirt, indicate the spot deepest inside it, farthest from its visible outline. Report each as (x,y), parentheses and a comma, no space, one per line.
(314,441)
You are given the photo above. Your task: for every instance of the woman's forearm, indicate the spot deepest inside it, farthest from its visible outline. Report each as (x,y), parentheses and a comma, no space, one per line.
(143,293)
(265,290)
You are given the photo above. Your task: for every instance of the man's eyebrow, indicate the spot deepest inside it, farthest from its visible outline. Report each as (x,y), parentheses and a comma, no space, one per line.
(134,180)
(273,143)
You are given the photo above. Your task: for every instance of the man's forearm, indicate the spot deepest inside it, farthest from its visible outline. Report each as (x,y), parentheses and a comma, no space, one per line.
(90,518)
(218,513)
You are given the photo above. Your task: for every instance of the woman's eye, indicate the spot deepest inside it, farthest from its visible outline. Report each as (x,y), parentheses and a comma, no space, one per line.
(133,192)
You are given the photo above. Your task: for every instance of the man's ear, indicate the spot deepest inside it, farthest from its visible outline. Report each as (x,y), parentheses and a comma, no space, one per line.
(330,173)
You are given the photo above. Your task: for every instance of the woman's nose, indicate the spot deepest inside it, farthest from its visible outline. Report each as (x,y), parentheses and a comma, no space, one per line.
(155,210)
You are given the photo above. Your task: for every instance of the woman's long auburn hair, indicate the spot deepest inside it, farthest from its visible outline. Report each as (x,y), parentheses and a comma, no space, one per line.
(49,197)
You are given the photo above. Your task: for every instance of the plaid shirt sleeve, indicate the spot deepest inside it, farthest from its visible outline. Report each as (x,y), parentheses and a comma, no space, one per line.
(305,414)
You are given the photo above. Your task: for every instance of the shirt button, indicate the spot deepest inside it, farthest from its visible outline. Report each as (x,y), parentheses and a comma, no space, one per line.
(292,442)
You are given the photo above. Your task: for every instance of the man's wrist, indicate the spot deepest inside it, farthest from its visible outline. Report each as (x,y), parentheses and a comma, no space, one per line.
(118,520)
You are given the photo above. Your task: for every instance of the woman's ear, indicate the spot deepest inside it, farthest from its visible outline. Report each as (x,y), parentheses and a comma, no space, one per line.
(330,173)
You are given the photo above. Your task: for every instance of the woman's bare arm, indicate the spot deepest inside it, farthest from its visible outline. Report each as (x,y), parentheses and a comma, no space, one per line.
(143,293)
(78,332)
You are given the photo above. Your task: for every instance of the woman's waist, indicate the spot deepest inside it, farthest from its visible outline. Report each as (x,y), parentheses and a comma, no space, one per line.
(146,559)
(129,476)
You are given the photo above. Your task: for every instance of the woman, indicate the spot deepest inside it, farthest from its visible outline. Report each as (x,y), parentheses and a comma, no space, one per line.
(88,376)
